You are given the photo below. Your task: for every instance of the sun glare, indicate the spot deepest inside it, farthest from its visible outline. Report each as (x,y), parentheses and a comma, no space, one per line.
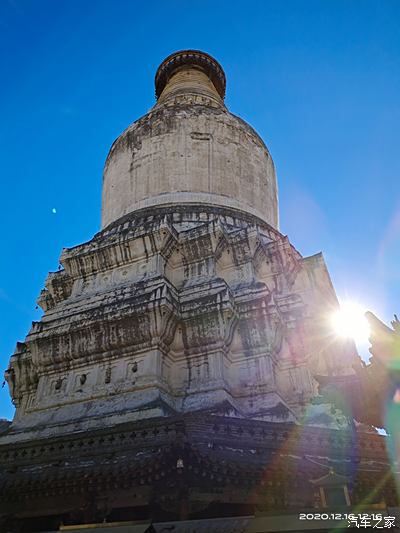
(350,321)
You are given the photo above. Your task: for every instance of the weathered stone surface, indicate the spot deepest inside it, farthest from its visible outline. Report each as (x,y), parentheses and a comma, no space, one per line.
(191,301)
(189,150)
(192,308)
(177,367)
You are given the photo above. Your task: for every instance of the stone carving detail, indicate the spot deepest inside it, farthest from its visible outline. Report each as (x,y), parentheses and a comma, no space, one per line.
(21,376)
(206,297)
(189,298)
(183,349)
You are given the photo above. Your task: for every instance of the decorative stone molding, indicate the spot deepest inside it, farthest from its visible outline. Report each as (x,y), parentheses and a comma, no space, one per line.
(192,58)
(205,304)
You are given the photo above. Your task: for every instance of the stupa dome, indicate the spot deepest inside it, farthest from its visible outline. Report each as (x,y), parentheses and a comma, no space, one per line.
(189,149)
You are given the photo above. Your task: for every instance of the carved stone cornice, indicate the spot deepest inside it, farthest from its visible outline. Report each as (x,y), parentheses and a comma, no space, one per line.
(181,295)
(190,57)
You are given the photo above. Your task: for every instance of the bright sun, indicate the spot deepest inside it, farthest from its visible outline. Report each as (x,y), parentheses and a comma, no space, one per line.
(350,321)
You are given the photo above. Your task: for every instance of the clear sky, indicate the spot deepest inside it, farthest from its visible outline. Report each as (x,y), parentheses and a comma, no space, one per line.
(319,80)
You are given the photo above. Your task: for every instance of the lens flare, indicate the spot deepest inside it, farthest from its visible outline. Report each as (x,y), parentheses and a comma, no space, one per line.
(350,321)
(396,397)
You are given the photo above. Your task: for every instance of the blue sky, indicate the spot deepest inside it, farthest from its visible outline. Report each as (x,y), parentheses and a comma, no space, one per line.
(319,80)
